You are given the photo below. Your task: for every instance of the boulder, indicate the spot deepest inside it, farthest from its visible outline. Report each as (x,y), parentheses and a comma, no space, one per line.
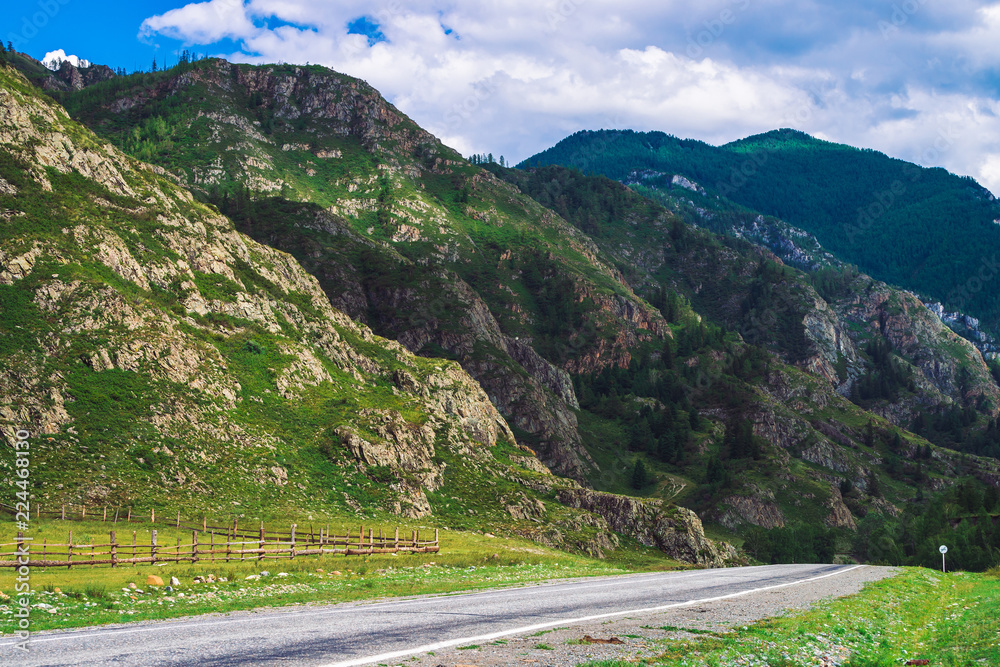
(153,580)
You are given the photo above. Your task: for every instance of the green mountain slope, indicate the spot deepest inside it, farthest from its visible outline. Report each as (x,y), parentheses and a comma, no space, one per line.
(397,218)
(922,229)
(722,382)
(158,356)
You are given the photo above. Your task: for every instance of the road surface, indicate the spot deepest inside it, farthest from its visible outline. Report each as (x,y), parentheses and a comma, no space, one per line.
(394,631)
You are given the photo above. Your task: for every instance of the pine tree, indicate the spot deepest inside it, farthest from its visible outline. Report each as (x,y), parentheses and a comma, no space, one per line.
(639,475)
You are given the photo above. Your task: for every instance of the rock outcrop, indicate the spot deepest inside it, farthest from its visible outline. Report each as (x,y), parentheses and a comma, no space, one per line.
(674,530)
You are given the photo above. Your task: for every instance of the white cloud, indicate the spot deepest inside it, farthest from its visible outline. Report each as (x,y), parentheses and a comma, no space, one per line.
(514,77)
(54,59)
(202,22)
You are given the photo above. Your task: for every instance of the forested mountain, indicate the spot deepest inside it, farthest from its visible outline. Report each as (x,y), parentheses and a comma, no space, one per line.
(634,352)
(924,230)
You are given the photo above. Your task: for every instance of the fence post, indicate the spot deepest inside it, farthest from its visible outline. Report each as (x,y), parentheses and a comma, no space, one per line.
(134,564)
(152,515)
(69,550)
(328,533)
(62,516)
(436,543)
(83,512)
(312,535)
(371,540)
(129,519)
(361,538)
(45,543)
(414,539)
(292,548)
(211,546)
(178,519)
(152,548)
(38,511)
(19,545)
(105,514)
(114,551)
(194,546)
(204,523)
(116,515)
(260,556)
(395,542)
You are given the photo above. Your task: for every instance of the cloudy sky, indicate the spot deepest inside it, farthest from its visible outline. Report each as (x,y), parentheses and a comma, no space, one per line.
(917,79)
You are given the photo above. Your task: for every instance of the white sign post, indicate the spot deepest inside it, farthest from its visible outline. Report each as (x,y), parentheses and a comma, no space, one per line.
(943,549)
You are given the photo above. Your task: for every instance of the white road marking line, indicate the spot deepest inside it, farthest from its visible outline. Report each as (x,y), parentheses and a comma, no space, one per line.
(571,621)
(84,634)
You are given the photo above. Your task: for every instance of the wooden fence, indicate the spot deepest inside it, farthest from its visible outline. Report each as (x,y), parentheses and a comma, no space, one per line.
(239,545)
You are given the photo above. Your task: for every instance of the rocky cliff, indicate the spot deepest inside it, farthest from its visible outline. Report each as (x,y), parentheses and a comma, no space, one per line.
(674,530)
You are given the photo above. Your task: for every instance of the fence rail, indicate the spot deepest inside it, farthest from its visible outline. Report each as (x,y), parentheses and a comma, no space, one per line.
(239,545)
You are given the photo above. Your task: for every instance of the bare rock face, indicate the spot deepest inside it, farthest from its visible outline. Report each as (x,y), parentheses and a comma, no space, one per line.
(758,509)
(840,515)
(832,346)
(674,530)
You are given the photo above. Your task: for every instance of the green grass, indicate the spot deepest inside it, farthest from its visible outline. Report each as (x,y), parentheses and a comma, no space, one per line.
(921,614)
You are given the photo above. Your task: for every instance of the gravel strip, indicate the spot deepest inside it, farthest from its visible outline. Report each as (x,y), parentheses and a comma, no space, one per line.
(642,634)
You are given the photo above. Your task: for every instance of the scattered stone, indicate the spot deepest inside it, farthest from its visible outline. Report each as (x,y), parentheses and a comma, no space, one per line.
(282,574)
(336,573)
(587,639)
(132,586)
(210,579)
(57,590)
(168,589)
(153,580)
(252,577)
(199,579)
(265,573)
(320,570)
(174,581)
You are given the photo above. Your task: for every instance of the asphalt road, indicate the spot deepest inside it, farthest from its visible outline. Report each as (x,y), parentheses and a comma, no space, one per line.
(392,631)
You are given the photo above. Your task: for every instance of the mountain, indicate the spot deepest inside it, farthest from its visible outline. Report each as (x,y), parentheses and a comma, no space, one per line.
(925,230)
(635,353)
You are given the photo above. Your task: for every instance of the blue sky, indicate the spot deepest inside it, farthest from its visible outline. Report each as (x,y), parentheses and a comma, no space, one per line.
(918,79)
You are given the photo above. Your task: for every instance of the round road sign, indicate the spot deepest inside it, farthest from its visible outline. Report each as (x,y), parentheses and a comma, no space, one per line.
(943,549)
